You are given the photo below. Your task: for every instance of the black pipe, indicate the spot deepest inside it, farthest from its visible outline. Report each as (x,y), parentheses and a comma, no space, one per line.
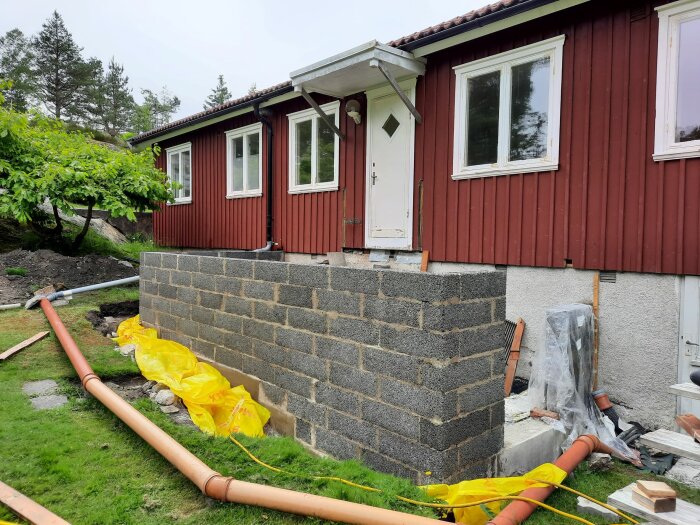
(262,116)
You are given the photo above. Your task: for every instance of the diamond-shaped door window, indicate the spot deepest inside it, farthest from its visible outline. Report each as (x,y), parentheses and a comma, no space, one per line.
(390,125)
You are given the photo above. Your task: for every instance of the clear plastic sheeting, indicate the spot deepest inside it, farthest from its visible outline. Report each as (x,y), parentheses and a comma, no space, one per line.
(562,377)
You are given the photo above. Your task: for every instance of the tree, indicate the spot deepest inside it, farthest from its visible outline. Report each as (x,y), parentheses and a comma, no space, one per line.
(110,101)
(218,95)
(157,110)
(40,161)
(62,74)
(16,65)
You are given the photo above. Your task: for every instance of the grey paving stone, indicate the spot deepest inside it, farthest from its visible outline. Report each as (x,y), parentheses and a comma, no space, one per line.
(49,402)
(40,388)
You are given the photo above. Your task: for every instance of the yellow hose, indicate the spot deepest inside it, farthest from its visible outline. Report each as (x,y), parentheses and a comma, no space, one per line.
(444,506)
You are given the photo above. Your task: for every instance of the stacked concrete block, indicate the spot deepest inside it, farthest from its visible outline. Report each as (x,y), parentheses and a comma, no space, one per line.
(401,370)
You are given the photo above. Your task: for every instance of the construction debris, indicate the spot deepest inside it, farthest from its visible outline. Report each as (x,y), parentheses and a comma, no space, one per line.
(686,471)
(685,514)
(585,506)
(598,462)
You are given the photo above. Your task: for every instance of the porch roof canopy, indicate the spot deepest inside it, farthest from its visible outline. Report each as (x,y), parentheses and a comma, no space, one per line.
(356,70)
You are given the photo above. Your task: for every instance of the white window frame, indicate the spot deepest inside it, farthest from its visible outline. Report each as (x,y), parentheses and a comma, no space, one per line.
(670,18)
(503,62)
(179,149)
(244,132)
(332,109)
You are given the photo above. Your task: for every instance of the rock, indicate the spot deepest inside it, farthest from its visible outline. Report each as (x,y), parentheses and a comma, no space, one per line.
(48,402)
(165,397)
(40,388)
(158,387)
(147,386)
(588,507)
(128,349)
(112,386)
(126,263)
(169,409)
(599,462)
(686,471)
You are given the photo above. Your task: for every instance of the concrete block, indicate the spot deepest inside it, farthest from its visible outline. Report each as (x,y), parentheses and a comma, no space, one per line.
(421,457)
(337,350)
(213,335)
(456,374)
(203,281)
(211,300)
(187,295)
(528,444)
(400,366)
(202,315)
(392,311)
(259,369)
(306,409)
(166,321)
(499,311)
(294,339)
(353,428)
(270,353)
(203,348)
(335,445)
(498,413)
(413,341)
(211,265)
(162,276)
(228,322)
(238,268)
(148,287)
(307,320)
(479,285)
(355,280)
(238,306)
(167,291)
(441,436)
(187,327)
(358,330)
(338,399)
(276,272)
(169,260)
(391,418)
(302,431)
(308,275)
(353,379)
(307,364)
(228,285)
(180,310)
(341,302)
(258,330)
(181,278)
(480,395)
(151,259)
(240,343)
(480,447)
(420,286)
(259,290)
(419,400)
(293,382)
(271,394)
(295,295)
(459,315)
(478,340)
(188,263)
(147,273)
(270,312)
(384,464)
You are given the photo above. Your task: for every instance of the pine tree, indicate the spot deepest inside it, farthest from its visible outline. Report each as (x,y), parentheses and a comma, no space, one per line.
(157,110)
(16,65)
(218,95)
(62,74)
(111,104)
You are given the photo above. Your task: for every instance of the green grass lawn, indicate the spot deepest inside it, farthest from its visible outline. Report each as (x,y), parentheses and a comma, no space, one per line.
(82,463)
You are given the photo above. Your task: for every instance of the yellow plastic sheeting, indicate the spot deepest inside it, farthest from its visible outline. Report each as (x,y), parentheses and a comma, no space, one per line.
(480,489)
(215,407)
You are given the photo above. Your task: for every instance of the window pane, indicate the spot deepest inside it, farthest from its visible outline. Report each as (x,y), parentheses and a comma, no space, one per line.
(303,152)
(237,163)
(253,162)
(688,108)
(482,118)
(175,171)
(529,105)
(325,161)
(186,178)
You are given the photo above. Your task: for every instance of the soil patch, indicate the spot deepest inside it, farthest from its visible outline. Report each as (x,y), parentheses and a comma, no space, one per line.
(46,267)
(110,315)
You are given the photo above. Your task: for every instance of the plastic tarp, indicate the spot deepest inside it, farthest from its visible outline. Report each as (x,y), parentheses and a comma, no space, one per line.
(481,489)
(214,406)
(561,380)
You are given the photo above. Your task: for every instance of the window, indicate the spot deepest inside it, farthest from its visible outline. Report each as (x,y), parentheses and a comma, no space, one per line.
(677,132)
(507,112)
(244,162)
(313,151)
(180,171)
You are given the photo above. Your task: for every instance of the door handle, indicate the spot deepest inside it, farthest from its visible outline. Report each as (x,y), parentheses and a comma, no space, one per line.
(689,342)
(374,178)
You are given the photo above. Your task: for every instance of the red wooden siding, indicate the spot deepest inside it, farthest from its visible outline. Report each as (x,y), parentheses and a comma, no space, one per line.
(609,206)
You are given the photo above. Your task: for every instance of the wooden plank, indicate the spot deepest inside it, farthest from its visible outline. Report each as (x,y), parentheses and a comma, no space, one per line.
(425,258)
(21,346)
(672,442)
(27,508)
(689,390)
(656,489)
(685,513)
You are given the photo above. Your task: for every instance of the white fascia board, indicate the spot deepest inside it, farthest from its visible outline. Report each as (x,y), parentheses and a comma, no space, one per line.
(494,27)
(249,109)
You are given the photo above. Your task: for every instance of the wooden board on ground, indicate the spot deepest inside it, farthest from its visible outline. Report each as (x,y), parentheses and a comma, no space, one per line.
(673,442)
(26,508)
(655,505)
(685,513)
(656,489)
(688,390)
(21,346)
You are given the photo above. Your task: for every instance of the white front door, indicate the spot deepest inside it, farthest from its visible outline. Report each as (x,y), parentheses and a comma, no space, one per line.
(389,211)
(689,340)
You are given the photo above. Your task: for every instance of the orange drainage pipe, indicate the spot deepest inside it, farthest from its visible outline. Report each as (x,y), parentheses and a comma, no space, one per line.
(518,511)
(210,482)
(26,508)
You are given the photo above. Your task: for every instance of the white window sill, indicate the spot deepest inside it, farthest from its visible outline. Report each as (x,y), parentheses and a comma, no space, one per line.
(505,170)
(674,155)
(244,195)
(178,202)
(298,190)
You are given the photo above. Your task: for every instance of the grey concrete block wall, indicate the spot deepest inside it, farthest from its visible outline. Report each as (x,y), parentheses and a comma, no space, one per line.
(400,370)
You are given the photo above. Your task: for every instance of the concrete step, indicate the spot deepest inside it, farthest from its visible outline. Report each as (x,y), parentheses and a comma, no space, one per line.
(689,390)
(673,442)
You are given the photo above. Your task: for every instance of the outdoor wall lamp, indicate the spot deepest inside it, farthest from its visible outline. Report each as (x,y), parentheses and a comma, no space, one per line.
(352,108)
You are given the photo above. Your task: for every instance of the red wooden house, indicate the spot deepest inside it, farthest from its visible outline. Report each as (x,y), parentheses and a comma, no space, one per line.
(555,137)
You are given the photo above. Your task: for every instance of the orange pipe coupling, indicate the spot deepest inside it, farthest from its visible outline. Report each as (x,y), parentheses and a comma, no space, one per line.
(208,480)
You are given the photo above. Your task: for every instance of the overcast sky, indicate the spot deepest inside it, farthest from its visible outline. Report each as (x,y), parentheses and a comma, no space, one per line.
(185,45)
